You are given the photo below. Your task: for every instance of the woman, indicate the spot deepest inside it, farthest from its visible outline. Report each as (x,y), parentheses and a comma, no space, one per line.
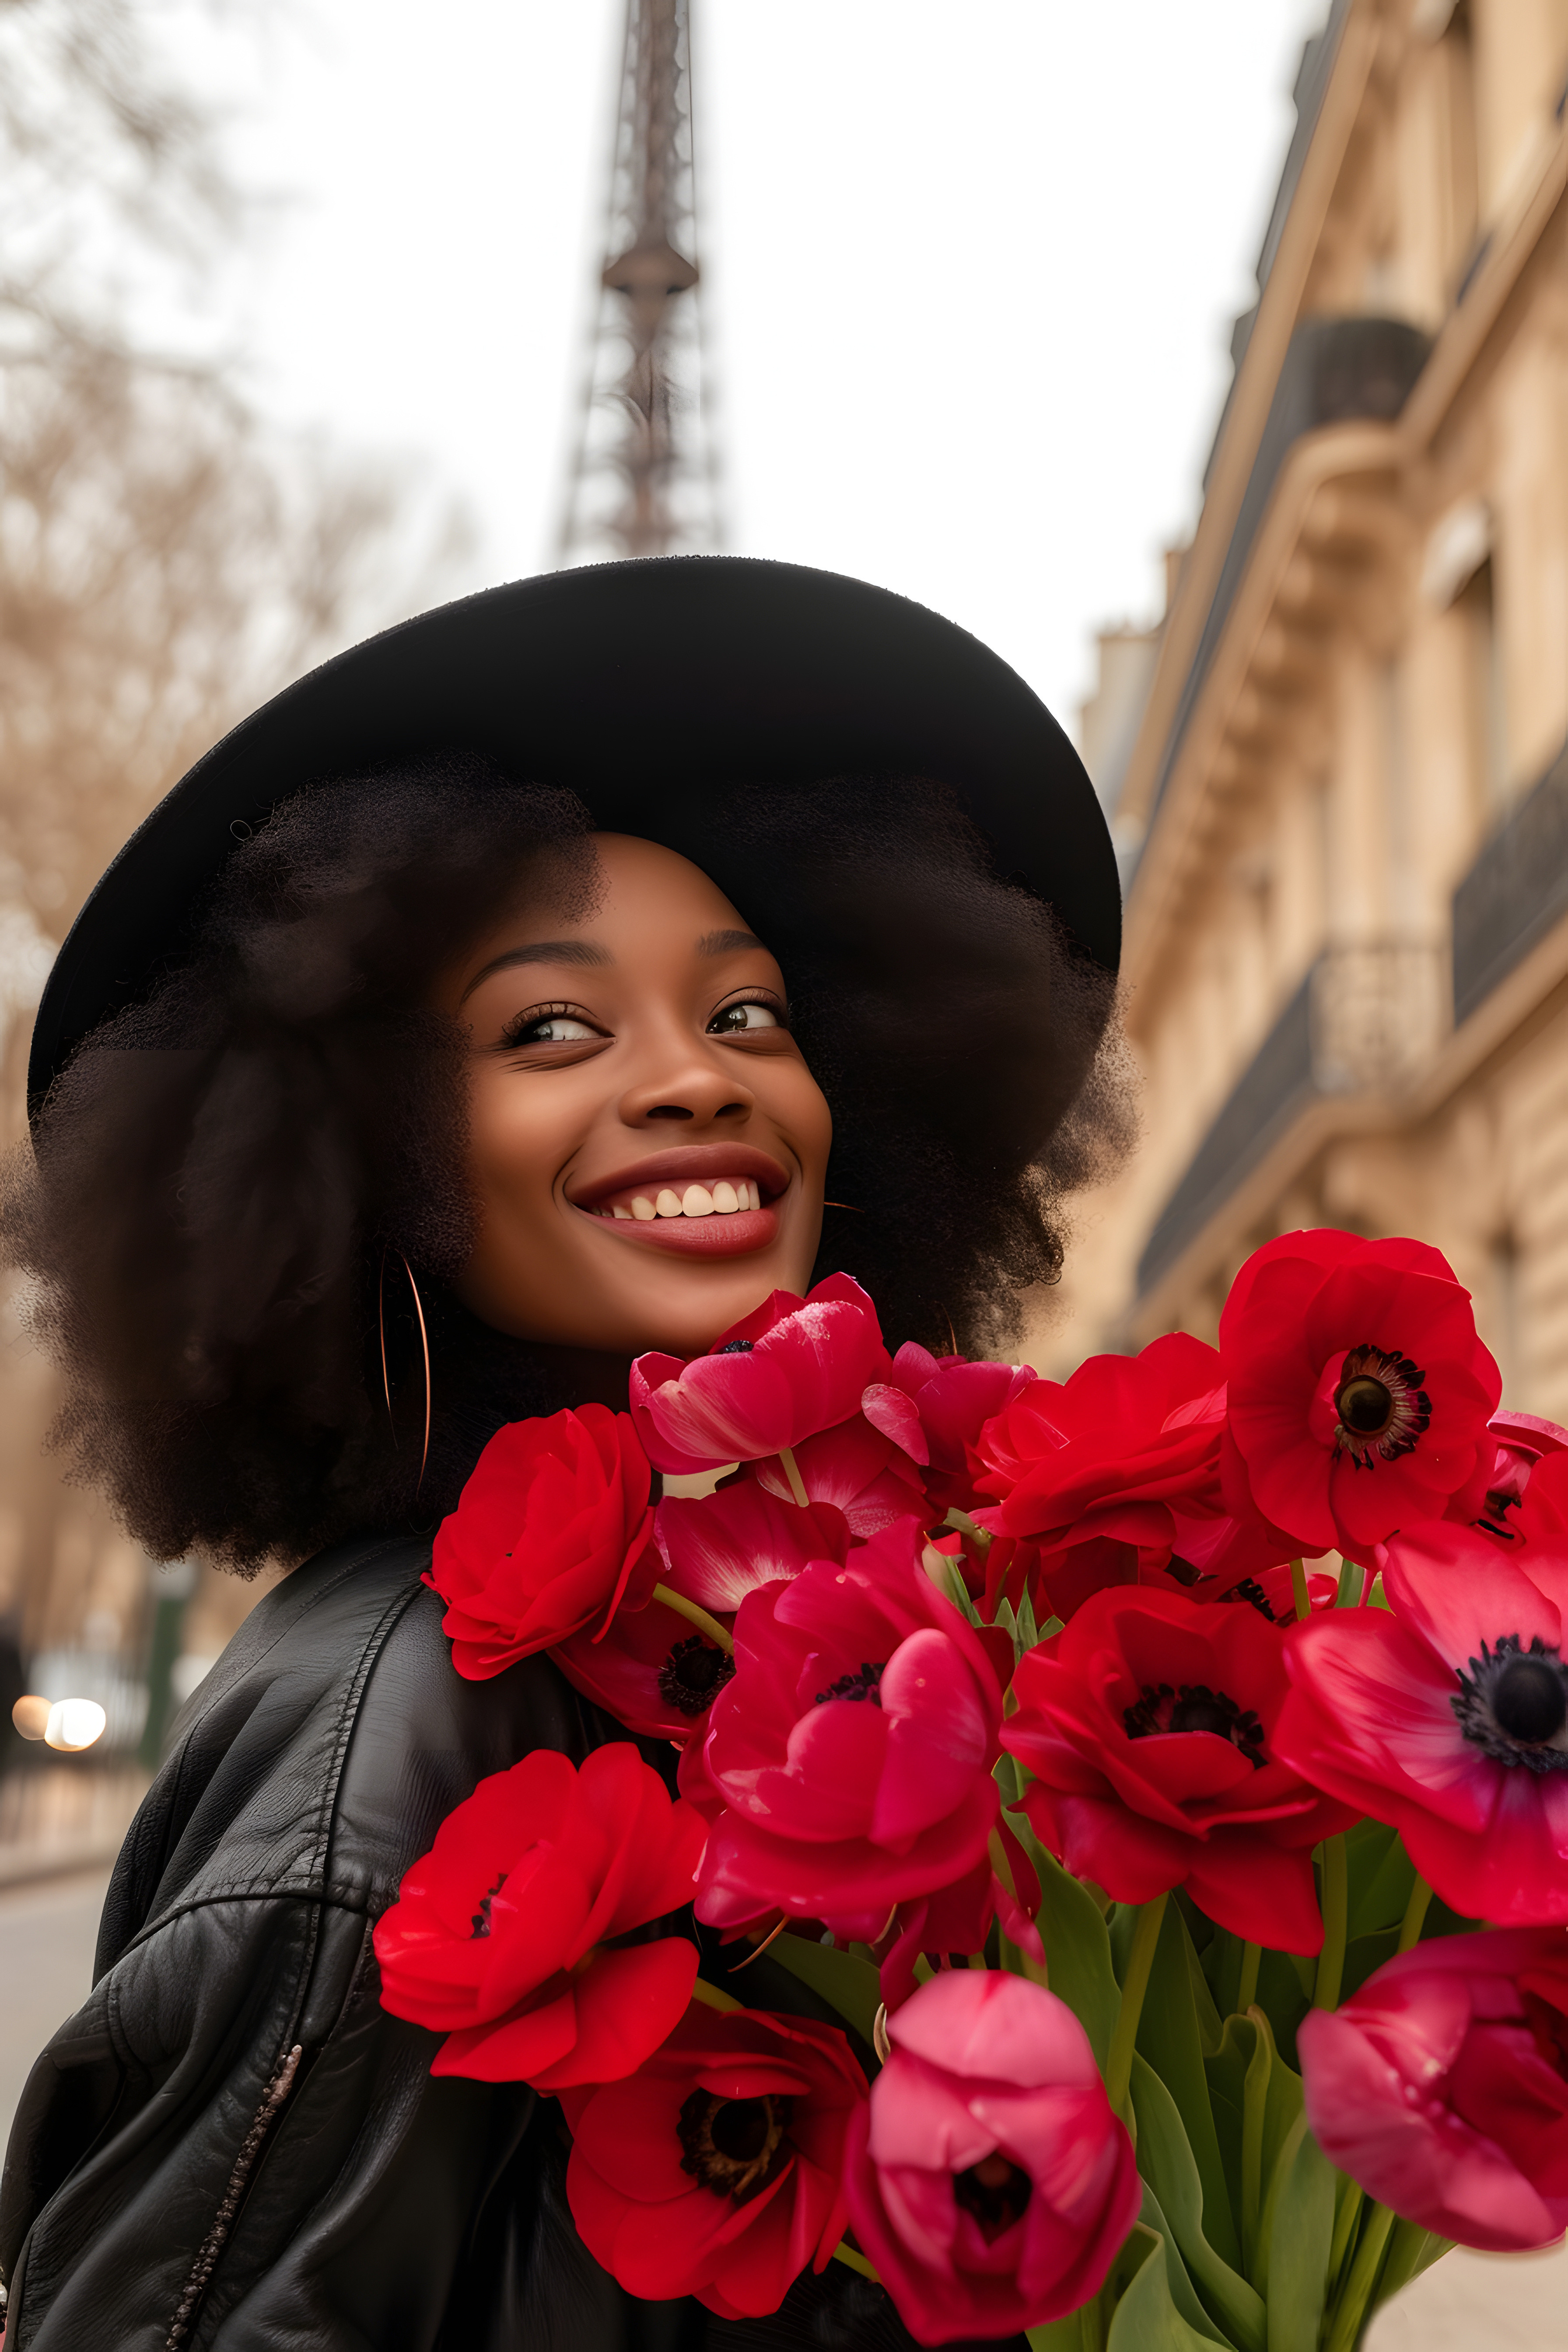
(546,981)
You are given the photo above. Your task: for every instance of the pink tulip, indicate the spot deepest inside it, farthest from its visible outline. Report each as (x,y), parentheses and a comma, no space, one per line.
(1442,2087)
(853,1749)
(717,1550)
(792,1368)
(857,1470)
(935,1407)
(988,2180)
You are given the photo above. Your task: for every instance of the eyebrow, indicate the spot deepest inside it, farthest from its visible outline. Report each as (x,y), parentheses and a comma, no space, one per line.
(718,943)
(580,952)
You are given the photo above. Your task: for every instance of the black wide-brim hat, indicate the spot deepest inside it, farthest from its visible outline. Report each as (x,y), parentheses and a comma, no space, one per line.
(638,685)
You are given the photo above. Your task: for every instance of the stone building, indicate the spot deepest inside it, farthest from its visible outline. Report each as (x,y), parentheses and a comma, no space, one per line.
(1338,771)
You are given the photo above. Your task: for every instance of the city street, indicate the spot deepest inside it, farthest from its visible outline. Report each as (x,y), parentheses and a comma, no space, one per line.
(1469,2303)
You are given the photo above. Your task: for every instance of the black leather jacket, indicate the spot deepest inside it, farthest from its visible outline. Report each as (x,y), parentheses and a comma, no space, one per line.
(232,2143)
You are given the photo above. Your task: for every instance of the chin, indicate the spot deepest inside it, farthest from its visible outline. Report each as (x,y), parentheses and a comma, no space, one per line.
(688,1320)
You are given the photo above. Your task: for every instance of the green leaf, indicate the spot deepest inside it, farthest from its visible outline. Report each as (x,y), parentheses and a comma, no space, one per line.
(1380,1877)
(1410,2251)
(1166,2163)
(1298,2237)
(1062,2335)
(1156,2309)
(1077,1949)
(852,1985)
(1248,2077)
(1170,2038)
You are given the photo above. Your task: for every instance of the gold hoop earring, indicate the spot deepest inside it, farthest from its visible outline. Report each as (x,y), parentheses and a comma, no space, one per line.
(424,1346)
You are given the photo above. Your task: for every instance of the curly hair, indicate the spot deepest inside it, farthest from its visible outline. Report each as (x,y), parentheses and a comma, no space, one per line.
(238,1190)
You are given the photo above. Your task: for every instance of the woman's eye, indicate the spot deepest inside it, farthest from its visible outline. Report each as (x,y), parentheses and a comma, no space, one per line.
(735,1017)
(552,1029)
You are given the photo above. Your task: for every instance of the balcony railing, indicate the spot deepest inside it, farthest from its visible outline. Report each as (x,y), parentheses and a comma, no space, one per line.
(1363,1020)
(1515,892)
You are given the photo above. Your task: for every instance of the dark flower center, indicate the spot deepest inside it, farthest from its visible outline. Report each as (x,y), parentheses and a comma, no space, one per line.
(995,2191)
(734,2146)
(1193,1706)
(864,1684)
(1252,1592)
(481,1921)
(1381,1405)
(736,1347)
(1513,1704)
(693,1674)
(1494,1519)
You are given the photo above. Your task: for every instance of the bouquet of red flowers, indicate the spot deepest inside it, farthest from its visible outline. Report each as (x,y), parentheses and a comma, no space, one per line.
(1128,1764)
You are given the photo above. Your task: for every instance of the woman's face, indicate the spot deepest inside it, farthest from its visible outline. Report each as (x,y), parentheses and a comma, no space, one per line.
(648,1147)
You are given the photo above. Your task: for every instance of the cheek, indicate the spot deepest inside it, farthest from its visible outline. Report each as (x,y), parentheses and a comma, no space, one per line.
(513,1153)
(800,1106)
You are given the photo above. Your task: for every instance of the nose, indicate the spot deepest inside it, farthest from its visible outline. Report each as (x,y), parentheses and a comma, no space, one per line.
(690,1086)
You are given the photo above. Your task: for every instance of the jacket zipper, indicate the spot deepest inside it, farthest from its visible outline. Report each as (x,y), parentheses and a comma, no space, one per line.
(213,2244)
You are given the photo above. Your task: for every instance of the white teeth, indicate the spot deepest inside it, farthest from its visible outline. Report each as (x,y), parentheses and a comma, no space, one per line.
(725,1199)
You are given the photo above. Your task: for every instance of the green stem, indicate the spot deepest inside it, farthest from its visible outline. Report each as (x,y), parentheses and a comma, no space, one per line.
(1299,1587)
(1351,2303)
(1139,1961)
(695,1616)
(1344,2230)
(856,2261)
(1352,1583)
(1415,1918)
(1247,1990)
(1336,1922)
(791,1469)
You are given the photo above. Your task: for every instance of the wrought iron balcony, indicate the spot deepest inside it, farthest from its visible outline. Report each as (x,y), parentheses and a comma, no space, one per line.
(1364,1021)
(1515,892)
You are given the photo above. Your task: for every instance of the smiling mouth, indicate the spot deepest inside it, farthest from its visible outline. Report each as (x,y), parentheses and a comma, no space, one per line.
(702,1200)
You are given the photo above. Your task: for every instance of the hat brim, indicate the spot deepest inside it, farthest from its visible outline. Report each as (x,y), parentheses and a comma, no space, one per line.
(633,683)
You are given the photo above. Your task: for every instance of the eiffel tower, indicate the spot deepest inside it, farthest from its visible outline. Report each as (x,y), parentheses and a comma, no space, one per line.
(641,481)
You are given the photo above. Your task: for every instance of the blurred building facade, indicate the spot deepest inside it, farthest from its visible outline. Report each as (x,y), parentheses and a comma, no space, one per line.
(1338,770)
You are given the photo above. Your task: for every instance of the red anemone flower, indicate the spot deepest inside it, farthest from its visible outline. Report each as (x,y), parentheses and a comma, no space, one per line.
(1447,1714)
(988,2177)
(1359,1392)
(497,1936)
(792,1368)
(715,2170)
(552,1532)
(1526,1485)
(1114,1474)
(653,1671)
(1150,1725)
(853,1749)
(1442,2087)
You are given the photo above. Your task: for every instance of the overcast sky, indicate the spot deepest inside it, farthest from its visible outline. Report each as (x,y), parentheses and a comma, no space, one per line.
(969,270)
